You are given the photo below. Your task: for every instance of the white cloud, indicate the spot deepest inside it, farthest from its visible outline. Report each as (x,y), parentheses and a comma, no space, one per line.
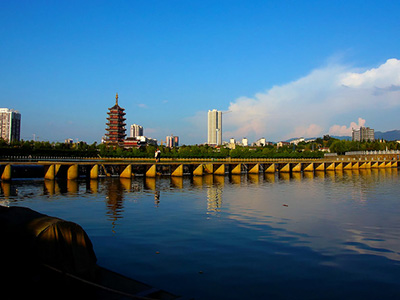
(311,105)
(313,130)
(385,76)
(142,105)
(342,130)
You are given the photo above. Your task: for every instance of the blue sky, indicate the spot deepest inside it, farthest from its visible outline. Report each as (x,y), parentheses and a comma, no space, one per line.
(283,68)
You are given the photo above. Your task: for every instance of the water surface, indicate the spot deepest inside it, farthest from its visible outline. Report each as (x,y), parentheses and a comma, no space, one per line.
(300,236)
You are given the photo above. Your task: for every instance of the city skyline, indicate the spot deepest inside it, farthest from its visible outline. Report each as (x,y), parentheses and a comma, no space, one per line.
(283,70)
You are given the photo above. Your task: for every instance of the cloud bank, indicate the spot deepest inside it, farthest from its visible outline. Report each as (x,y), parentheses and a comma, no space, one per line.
(324,101)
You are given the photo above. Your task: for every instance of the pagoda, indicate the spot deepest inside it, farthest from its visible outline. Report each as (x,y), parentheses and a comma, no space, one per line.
(116,124)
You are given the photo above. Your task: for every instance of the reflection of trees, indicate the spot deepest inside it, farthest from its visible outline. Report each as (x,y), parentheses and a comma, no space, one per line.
(114,203)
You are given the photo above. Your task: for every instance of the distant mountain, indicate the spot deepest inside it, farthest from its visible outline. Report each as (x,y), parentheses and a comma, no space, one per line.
(347,138)
(393,135)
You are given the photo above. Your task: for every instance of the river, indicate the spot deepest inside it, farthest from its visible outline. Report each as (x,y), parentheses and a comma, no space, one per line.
(322,235)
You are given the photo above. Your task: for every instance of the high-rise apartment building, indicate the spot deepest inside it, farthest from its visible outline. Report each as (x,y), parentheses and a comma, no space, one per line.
(136,130)
(363,134)
(10,124)
(116,124)
(172,141)
(214,127)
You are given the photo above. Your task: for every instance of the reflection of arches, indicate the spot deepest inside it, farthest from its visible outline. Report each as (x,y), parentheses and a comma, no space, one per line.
(72,186)
(197,181)
(235,179)
(150,183)
(94,186)
(219,180)
(177,182)
(51,187)
(6,189)
(126,183)
(254,178)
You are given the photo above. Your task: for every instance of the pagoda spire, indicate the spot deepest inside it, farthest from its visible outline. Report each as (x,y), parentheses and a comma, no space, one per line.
(116,99)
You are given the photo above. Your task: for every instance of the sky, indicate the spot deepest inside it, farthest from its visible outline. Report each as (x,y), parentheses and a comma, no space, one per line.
(278,69)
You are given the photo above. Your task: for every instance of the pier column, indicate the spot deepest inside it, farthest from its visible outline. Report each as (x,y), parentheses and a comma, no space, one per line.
(355,166)
(127,172)
(296,167)
(151,171)
(50,172)
(320,167)
(94,172)
(270,168)
(339,167)
(178,171)
(209,168)
(365,165)
(254,169)
(237,170)
(220,170)
(72,172)
(198,171)
(331,167)
(309,168)
(6,175)
(285,168)
(347,166)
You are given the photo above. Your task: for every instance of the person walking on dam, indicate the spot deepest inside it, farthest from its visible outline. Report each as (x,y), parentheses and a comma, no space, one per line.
(157,155)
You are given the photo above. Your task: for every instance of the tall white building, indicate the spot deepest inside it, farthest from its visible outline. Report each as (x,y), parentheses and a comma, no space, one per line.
(10,124)
(136,130)
(172,141)
(363,134)
(214,127)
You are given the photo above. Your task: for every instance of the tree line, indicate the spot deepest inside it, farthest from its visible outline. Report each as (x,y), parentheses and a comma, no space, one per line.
(314,149)
(342,147)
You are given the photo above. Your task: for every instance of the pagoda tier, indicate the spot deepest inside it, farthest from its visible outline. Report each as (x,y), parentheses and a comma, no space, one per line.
(116,124)
(113,122)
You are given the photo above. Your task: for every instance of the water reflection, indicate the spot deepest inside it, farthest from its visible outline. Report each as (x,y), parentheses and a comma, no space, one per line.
(115,189)
(150,183)
(214,198)
(157,198)
(177,182)
(332,212)
(6,190)
(197,181)
(93,186)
